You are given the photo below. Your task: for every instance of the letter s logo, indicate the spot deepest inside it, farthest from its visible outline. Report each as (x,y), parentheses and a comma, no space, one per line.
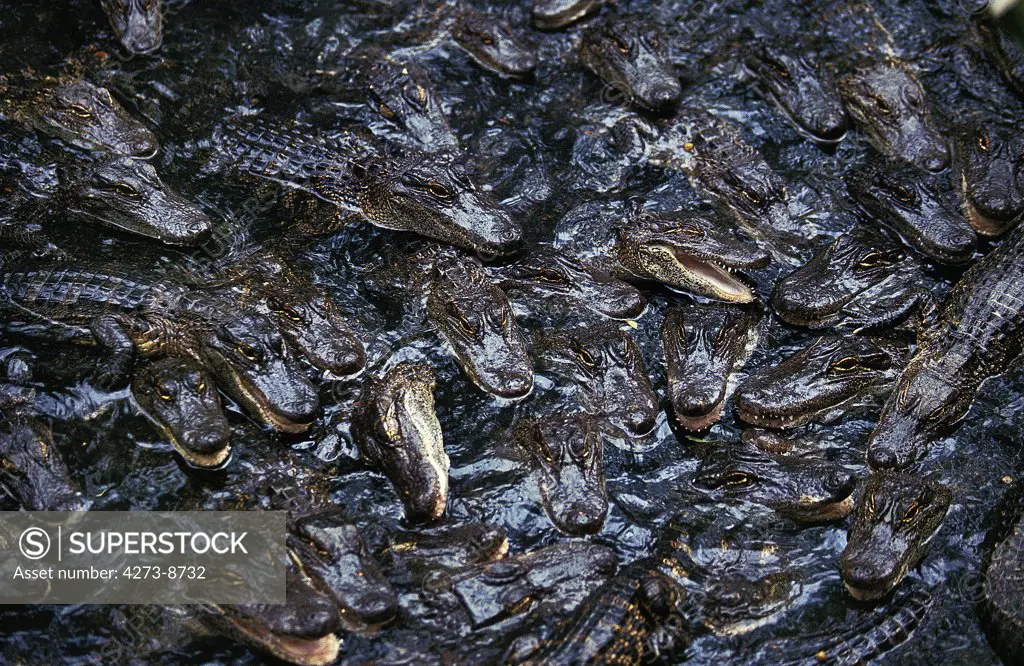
(34,543)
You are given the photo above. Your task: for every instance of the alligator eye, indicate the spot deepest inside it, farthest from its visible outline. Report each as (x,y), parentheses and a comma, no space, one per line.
(200,383)
(983,143)
(752,196)
(387,112)
(870,504)
(882,106)
(466,325)
(249,352)
(583,356)
(874,259)
(623,46)
(845,364)
(903,194)
(551,276)
(164,392)
(487,41)
(938,413)
(687,230)
(779,68)
(737,480)
(911,513)
(439,190)
(876,361)
(654,41)
(126,191)
(80,111)
(289,312)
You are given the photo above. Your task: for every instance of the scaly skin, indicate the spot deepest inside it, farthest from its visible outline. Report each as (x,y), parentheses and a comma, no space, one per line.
(137,23)
(829,373)
(1004,52)
(492,45)
(863,280)
(427,194)
(990,161)
(911,203)
(555,14)
(888,103)
(72,109)
(804,90)
(242,350)
(803,489)
(605,366)
(1003,592)
(704,345)
(399,435)
(180,399)
(976,335)
(566,451)
(631,56)
(897,515)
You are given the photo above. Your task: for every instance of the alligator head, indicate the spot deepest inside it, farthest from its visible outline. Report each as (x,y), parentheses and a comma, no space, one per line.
(331,553)
(547,273)
(1003,49)
(630,56)
(250,361)
(831,372)
(803,89)
(888,102)
(403,95)
(803,489)
(398,434)
(89,117)
(990,158)
(137,23)
(737,605)
(704,345)
(317,329)
(863,279)
(689,253)
(604,365)
(432,195)
(925,403)
(128,195)
(474,318)
(911,203)
(555,14)
(897,516)
(492,44)
(181,400)
(567,453)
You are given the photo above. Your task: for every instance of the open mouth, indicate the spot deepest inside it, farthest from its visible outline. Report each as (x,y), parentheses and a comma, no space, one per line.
(196,459)
(293,649)
(709,277)
(775,421)
(983,224)
(861,594)
(701,422)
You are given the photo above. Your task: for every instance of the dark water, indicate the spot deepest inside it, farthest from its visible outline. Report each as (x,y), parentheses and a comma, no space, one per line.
(539,146)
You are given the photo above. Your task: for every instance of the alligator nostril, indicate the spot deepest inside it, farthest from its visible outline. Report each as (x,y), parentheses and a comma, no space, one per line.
(839,482)
(664,97)
(881,458)
(937,161)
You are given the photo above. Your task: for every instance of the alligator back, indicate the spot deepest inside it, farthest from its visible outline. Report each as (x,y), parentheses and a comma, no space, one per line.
(1004,593)
(65,287)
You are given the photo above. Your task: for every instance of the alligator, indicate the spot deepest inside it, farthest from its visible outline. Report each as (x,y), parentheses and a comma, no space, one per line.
(863,280)
(1002,585)
(636,617)
(631,56)
(180,399)
(547,274)
(566,453)
(1003,50)
(910,201)
(605,367)
(138,24)
(243,350)
(492,44)
(976,334)
(305,312)
(33,475)
(555,14)
(804,489)
(990,160)
(413,555)
(686,252)
(802,88)
(128,195)
(704,345)
(817,382)
(897,515)
(888,103)
(398,434)
(431,195)
(76,111)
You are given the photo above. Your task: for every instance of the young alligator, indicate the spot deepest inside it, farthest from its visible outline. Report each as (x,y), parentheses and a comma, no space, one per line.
(555,14)
(897,516)
(990,161)
(81,113)
(138,24)
(180,399)
(1003,590)
(863,280)
(630,55)
(828,376)
(704,345)
(910,201)
(566,451)
(492,44)
(428,194)
(242,349)
(976,335)
(398,434)
(1004,51)
(604,366)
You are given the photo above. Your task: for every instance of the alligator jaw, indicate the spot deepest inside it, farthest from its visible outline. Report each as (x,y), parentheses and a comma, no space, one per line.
(295,650)
(696,423)
(706,276)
